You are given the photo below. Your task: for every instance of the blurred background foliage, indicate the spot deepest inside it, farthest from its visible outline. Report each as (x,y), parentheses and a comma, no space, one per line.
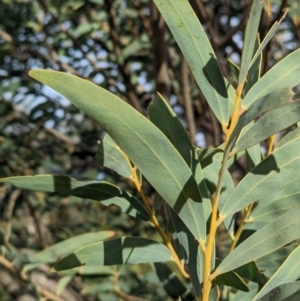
(124,46)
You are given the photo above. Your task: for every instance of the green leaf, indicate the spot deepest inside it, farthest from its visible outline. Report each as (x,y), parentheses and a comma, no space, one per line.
(284,74)
(157,159)
(274,235)
(288,272)
(195,46)
(276,170)
(272,122)
(231,96)
(249,39)
(188,248)
(232,279)
(261,106)
(63,248)
(234,70)
(161,114)
(253,156)
(101,191)
(276,203)
(251,272)
(270,263)
(284,292)
(111,156)
(254,70)
(243,296)
(265,41)
(117,251)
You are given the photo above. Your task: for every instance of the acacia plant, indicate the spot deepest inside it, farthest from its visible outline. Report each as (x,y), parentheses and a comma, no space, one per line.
(193,183)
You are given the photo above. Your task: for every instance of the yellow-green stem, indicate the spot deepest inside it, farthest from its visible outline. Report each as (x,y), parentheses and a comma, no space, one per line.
(241,227)
(209,249)
(156,225)
(236,112)
(207,279)
(271,144)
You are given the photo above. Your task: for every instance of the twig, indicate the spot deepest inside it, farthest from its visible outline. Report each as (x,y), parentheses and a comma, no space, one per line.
(240,228)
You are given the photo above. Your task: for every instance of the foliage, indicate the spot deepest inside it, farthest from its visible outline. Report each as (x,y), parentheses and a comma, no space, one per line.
(193,185)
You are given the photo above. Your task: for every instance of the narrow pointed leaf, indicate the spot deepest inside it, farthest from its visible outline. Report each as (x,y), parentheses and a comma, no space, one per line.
(188,248)
(157,159)
(101,191)
(284,74)
(276,170)
(261,106)
(250,37)
(274,235)
(270,263)
(231,96)
(288,272)
(234,70)
(161,114)
(232,279)
(254,70)
(246,296)
(64,248)
(277,202)
(195,46)
(284,292)
(271,123)
(265,41)
(117,251)
(253,156)
(251,272)
(111,156)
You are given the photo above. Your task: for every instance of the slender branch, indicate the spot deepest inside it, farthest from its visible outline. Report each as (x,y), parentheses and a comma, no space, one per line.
(236,112)
(241,227)
(271,144)
(215,221)
(212,232)
(155,222)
